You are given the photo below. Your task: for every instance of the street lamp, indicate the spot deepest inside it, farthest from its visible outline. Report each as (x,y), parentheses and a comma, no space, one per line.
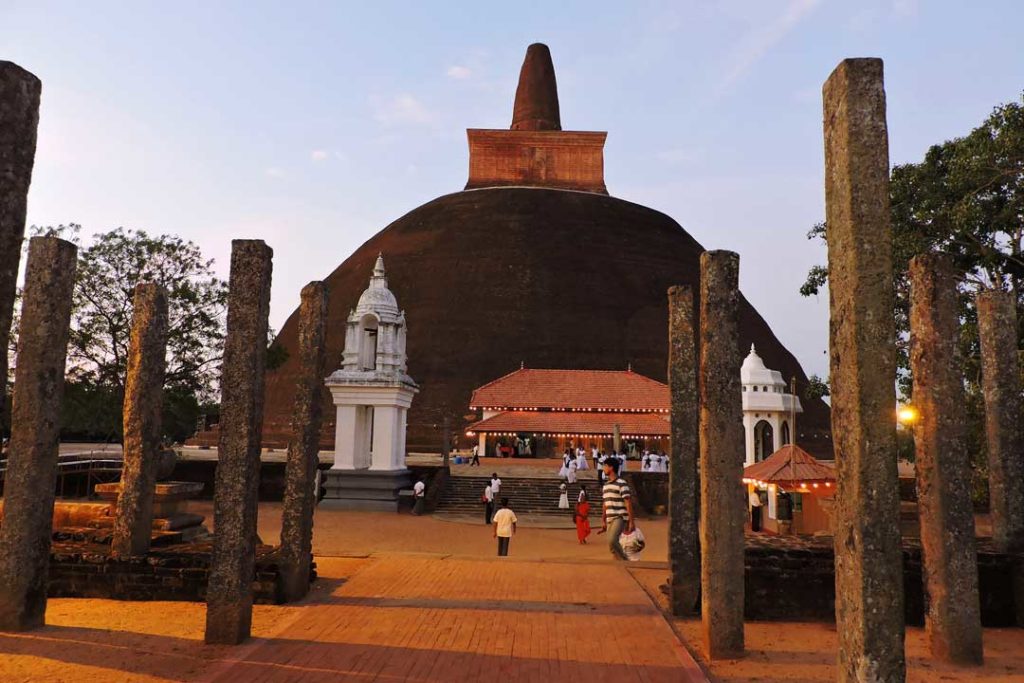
(907,415)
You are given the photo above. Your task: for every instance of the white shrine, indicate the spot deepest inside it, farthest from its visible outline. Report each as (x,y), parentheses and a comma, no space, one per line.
(769,411)
(372,393)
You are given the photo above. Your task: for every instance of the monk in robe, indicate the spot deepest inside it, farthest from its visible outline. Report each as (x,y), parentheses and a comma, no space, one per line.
(582,519)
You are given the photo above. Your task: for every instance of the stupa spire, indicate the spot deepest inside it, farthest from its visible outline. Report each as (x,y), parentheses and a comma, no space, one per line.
(536,106)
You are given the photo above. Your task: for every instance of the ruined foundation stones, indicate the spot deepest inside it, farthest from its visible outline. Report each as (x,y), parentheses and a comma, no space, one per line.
(229,594)
(143,405)
(722,504)
(1000,368)
(300,471)
(30,480)
(19,119)
(869,576)
(953,620)
(683,510)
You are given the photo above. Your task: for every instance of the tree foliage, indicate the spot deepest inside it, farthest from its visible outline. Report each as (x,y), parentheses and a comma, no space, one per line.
(966,199)
(109,267)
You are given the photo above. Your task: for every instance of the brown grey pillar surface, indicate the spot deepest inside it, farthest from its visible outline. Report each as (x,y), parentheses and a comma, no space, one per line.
(142,419)
(683,492)
(300,472)
(953,618)
(722,504)
(229,592)
(19,119)
(1000,369)
(869,570)
(31,474)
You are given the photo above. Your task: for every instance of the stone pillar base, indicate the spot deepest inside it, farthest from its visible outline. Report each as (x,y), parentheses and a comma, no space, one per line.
(364,489)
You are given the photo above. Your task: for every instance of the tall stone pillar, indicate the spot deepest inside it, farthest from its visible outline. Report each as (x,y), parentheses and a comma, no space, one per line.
(143,407)
(346,438)
(229,592)
(953,621)
(303,446)
(19,119)
(722,503)
(35,431)
(869,570)
(1000,368)
(683,505)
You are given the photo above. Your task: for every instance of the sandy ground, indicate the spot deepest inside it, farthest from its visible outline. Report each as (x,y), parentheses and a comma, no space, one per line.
(360,533)
(806,652)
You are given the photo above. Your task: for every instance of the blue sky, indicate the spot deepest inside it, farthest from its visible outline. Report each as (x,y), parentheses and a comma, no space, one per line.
(312,125)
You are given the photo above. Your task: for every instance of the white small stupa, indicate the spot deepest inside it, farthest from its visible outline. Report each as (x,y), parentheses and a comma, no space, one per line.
(768,409)
(372,393)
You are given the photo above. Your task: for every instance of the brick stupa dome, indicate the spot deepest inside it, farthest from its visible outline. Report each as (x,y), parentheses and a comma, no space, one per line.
(525,267)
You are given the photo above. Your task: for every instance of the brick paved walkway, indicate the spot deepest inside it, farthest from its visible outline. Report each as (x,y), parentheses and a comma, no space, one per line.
(405,617)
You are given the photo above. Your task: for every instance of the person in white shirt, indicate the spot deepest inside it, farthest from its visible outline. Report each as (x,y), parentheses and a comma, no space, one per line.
(755,510)
(571,474)
(419,492)
(495,485)
(504,527)
(488,499)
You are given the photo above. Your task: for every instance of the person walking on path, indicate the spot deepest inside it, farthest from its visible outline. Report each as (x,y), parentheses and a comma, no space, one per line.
(476,456)
(755,510)
(495,485)
(617,513)
(582,519)
(488,504)
(419,492)
(504,527)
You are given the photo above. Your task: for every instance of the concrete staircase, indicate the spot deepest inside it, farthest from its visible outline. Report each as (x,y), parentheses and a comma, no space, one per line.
(527,495)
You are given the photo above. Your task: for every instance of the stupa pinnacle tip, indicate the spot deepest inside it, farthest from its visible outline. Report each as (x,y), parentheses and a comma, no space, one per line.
(536,106)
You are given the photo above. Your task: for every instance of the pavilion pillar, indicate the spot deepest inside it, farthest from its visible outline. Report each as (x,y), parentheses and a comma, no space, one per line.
(722,503)
(19,120)
(1000,368)
(35,430)
(143,407)
(229,592)
(869,567)
(683,505)
(300,471)
(953,619)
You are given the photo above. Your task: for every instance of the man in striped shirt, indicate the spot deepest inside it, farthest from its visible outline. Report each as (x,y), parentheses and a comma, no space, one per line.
(617,510)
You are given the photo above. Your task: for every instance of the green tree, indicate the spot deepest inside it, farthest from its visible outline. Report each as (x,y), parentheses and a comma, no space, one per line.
(108,270)
(966,199)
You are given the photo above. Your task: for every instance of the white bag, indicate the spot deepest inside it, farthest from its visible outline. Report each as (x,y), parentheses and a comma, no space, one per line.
(633,544)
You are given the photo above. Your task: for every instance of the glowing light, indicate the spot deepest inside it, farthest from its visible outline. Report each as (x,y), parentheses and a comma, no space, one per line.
(907,415)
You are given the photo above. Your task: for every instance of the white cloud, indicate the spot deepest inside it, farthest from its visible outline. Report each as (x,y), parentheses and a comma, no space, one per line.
(318,155)
(402,109)
(459,73)
(757,43)
(274,172)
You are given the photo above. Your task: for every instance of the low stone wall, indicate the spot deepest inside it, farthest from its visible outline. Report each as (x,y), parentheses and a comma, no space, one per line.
(791,578)
(178,573)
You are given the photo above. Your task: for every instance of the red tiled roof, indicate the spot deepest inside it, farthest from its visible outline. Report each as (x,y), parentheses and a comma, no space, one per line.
(558,422)
(789,464)
(581,389)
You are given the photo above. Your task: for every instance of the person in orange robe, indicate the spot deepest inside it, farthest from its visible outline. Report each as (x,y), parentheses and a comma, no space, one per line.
(582,520)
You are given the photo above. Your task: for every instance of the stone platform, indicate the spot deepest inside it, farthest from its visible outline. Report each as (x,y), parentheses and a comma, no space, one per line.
(364,489)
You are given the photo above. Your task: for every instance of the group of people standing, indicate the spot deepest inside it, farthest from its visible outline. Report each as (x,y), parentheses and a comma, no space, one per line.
(653,462)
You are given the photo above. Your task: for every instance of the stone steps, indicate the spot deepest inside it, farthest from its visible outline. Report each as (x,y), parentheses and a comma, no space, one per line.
(527,495)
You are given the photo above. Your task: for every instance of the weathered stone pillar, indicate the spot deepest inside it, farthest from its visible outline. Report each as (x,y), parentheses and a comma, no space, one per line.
(1000,369)
(35,431)
(683,505)
(143,407)
(722,503)
(953,620)
(300,472)
(19,119)
(869,569)
(229,593)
